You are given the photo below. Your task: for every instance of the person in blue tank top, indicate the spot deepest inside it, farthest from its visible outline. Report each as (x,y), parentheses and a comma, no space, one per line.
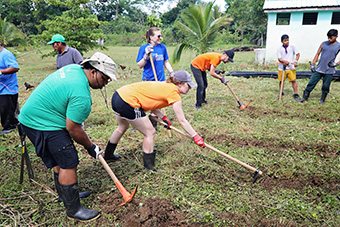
(326,66)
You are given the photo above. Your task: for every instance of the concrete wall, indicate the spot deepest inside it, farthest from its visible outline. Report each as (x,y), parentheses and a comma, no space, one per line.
(307,38)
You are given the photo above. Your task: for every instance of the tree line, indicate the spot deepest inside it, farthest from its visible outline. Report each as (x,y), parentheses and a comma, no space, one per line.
(83,21)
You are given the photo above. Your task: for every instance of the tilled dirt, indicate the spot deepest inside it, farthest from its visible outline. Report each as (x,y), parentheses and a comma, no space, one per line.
(152,212)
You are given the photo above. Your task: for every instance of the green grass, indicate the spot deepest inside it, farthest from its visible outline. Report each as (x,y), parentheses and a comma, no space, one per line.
(296,145)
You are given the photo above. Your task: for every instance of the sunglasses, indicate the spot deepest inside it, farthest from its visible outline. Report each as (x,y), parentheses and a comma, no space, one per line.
(105,78)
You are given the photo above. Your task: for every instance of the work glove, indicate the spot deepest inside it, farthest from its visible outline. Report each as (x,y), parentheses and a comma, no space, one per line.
(220,71)
(167,121)
(94,151)
(172,74)
(199,140)
(148,50)
(312,68)
(224,80)
(333,64)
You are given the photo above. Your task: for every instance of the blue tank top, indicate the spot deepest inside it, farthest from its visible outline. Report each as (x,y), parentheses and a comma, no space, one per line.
(328,53)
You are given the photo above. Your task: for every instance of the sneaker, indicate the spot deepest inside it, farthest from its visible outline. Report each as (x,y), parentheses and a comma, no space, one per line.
(198,107)
(296,97)
(205,102)
(5,131)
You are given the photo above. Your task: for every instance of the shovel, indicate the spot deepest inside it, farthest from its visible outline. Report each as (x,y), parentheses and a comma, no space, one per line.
(126,195)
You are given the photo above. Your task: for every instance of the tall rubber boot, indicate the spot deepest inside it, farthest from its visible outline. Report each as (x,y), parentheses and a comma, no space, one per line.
(109,155)
(74,210)
(305,96)
(149,161)
(57,187)
(323,98)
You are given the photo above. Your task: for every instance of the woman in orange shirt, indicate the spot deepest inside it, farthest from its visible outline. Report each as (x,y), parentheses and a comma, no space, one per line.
(131,101)
(208,61)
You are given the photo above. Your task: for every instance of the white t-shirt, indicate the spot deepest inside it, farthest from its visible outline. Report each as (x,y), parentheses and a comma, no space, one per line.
(292,51)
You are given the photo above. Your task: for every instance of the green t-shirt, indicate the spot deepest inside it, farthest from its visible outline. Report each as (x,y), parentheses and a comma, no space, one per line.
(64,93)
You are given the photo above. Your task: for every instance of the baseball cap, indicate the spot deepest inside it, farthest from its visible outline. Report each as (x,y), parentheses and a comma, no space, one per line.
(230,54)
(184,76)
(103,63)
(57,38)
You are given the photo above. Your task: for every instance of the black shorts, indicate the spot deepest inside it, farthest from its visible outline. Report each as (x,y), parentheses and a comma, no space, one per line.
(55,148)
(124,110)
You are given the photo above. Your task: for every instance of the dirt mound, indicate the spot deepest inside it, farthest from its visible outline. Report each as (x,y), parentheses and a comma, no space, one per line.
(152,212)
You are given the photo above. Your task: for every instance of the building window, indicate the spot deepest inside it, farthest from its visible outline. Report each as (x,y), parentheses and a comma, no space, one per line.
(309,18)
(336,18)
(283,19)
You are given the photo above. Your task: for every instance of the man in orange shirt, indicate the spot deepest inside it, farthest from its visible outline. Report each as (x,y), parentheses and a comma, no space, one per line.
(208,61)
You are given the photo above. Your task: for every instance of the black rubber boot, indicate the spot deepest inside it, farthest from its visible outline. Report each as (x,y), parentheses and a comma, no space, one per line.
(305,96)
(74,210)
(109,155)
(149,161)
(57,187)
(323,98)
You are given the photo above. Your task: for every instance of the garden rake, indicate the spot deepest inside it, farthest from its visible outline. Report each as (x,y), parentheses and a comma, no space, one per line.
(257,172)
(241,106)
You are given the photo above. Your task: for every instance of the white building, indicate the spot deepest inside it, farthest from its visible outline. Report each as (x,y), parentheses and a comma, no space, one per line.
(306,22)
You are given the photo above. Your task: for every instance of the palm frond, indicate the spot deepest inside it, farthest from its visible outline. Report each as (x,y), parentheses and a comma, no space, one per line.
(179,50)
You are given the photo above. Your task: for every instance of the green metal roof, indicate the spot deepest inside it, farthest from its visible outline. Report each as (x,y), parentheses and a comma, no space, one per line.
(277,5)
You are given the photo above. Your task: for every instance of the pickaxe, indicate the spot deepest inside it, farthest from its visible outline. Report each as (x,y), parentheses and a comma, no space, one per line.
(241,106)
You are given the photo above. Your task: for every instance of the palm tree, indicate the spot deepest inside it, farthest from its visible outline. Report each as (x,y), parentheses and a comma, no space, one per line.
(10,34)
(200,26)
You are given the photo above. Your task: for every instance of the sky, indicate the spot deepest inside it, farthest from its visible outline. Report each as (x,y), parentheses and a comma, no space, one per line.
(168,5)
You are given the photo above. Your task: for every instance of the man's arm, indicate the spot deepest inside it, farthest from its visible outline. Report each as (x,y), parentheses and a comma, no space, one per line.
(9,70)
(213,73)
(316,57)
(77,133)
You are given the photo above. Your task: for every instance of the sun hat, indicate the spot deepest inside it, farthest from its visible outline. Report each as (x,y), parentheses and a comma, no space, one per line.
(103,63)
(184,76)
(57,38)
(230,54)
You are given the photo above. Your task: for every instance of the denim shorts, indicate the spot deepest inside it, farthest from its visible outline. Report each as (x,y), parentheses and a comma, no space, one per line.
(55,148)
(124,110)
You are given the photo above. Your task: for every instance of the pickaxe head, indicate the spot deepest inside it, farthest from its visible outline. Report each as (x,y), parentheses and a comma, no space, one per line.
(244,106)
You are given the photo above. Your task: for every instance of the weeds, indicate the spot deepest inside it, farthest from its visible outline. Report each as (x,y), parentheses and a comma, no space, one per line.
(296,145)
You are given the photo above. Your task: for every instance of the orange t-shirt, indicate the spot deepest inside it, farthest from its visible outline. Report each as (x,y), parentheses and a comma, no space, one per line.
(204,61)
(149,95)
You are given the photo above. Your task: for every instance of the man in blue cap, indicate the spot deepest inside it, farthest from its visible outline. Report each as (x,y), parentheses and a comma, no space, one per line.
(66,55)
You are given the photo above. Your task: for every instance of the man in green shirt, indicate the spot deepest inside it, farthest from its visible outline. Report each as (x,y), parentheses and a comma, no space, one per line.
(52,117)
